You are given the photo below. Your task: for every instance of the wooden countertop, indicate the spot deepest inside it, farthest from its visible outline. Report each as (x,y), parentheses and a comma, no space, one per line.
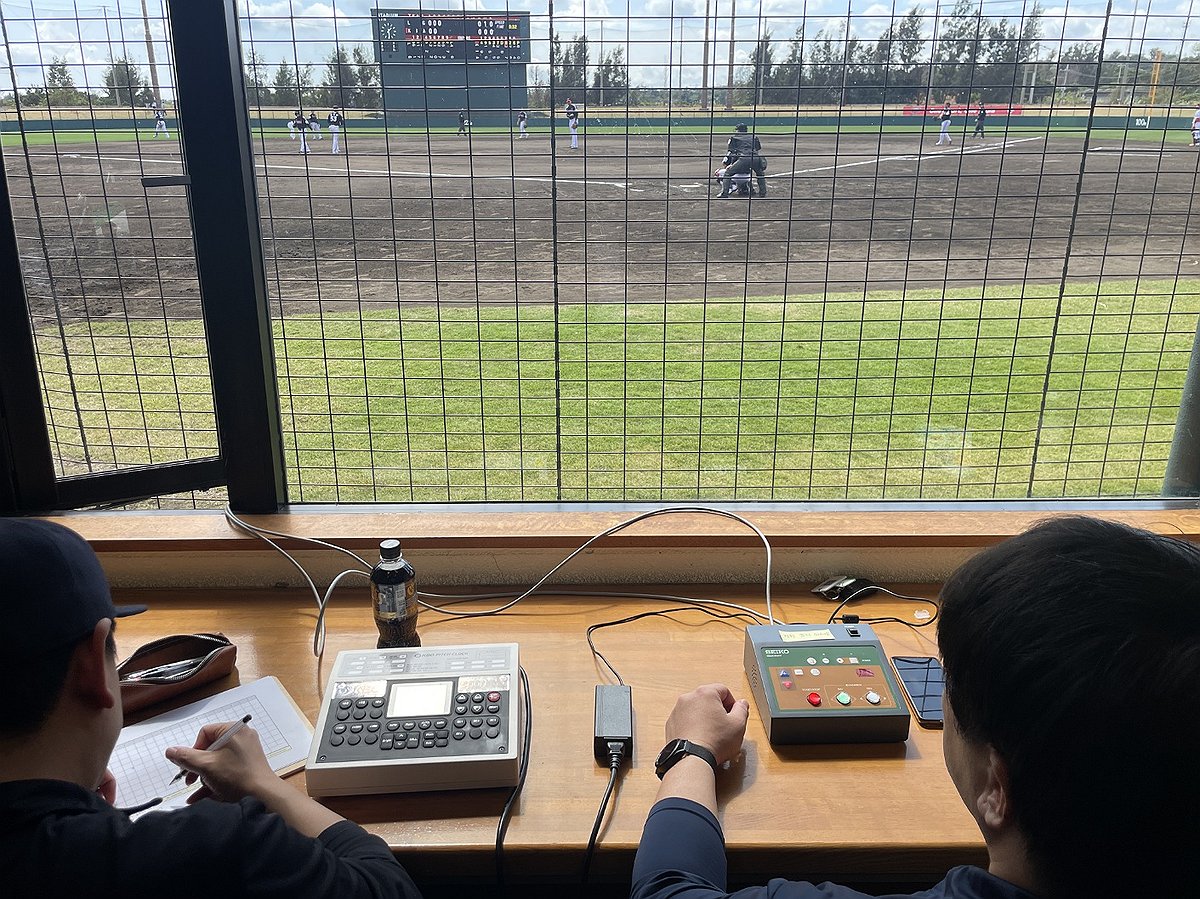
(843,812)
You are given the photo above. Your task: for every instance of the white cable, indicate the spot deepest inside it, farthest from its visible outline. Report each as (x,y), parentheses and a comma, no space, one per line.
(259,531)
(452,599)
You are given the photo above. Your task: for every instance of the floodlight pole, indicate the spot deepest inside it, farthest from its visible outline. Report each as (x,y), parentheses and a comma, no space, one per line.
(704,67)
(732,50)
(1183,465)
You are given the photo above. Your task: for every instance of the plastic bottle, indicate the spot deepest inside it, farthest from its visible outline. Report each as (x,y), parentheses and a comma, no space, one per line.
(394,598)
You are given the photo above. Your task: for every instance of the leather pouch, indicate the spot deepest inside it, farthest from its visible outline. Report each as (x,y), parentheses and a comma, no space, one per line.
(173,665)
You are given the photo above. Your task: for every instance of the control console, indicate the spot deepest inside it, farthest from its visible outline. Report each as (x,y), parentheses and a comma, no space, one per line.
(829,683)
(423,718)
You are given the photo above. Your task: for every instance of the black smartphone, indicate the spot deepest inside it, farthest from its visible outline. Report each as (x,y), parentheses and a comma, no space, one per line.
(921,679)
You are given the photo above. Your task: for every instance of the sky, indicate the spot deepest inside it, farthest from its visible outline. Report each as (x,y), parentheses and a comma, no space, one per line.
(662,38)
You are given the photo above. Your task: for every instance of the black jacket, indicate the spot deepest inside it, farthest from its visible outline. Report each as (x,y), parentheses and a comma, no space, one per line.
(743,145)
(56,839)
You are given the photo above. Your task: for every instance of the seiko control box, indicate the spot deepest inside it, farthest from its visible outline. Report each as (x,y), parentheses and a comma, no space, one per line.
(828,683)
(425,718)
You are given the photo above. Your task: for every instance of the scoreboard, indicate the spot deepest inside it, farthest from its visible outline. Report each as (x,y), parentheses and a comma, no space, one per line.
(423,36)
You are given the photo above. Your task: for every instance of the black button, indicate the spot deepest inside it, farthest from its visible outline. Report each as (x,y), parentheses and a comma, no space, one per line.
(440,724)
(336,740)
(428,735)
(345,703)
(475,733)
(385,742)
(373,727)
(442,734)
(356,728)
(377,703)
(460,722)
(362,704)
(409,725)
(370,738)
(476,722)
(342,714)
(376,713)
(353,739)
(493,707)
(399,742)
(459,734)
(413,742)
(476,697)
(427,744)
(460,710)
(477,709)
(493,722)
(493,697)
(460,697)
(359,714)
(424,725)
(339,728)
(442,742)
(393,725)
(493,732)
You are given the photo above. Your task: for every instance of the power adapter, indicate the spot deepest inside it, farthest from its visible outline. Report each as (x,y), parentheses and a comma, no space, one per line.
(614,723)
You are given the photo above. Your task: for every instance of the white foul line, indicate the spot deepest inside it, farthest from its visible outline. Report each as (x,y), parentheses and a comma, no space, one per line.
(905,156)
(353,171)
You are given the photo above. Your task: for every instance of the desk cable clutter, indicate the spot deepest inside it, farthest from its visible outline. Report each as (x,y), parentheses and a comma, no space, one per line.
(423,680)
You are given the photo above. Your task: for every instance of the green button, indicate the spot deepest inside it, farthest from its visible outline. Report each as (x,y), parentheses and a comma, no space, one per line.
(843,698)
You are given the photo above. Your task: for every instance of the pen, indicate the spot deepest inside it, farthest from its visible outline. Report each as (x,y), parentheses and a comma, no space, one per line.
(228,734)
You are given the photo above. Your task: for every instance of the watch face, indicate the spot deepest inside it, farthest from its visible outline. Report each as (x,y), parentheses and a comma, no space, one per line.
(669,755)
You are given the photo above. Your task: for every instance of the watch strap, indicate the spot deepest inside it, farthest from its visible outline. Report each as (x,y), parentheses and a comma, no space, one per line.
(686,747)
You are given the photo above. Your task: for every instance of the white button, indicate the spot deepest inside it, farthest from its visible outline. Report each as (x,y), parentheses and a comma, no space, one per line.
(812,661)
(816,672)
(840,661)
(873,697)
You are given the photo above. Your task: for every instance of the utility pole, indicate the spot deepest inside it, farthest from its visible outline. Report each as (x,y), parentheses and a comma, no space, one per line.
(150,54)
(732,50)
(704,65)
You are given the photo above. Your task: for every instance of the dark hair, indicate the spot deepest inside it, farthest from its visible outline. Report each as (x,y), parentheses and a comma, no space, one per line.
(42,680)
(1073,650)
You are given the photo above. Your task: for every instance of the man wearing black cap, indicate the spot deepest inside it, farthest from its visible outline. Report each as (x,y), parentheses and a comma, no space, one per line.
(59,832)
(744,152)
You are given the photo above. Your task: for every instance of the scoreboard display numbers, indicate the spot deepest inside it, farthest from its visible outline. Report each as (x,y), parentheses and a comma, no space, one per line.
(409,36)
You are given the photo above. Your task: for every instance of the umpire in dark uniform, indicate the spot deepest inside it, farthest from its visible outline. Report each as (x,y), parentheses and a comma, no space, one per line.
(745,155)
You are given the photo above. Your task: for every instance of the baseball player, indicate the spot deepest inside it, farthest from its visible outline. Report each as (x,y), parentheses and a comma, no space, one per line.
(573,122)
(292,124)
(300,124)
(336,122)
(463,123)
(1196,128)
(160,123)
(944,133)
(314,125)
(522,120)
(980,121)
(744,155)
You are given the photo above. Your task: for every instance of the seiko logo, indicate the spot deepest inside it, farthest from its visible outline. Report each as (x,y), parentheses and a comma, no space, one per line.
(776,652)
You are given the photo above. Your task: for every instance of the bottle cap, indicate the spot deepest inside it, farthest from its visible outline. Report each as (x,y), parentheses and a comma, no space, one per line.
(389,550)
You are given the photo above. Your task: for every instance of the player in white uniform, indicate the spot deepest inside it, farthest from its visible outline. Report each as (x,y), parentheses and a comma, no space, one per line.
(573,122)
(335,128)
(522,121)
(1196,128)
(314,125)
(160,123)
(944,133)
(300,123)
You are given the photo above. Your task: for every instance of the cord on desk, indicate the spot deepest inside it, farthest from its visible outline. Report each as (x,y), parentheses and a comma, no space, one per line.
(870,588)
(616,755)
(506,812)
(663,612)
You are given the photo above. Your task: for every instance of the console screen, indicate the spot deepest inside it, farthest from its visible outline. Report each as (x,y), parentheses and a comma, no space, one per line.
(420,699)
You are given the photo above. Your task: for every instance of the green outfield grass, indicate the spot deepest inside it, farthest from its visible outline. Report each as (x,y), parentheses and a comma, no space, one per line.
(975,395)
(1172,137)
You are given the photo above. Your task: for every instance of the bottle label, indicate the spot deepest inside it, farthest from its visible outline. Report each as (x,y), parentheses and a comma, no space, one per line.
(395,601)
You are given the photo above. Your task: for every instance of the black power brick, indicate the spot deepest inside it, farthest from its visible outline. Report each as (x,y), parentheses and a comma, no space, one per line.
(614,722)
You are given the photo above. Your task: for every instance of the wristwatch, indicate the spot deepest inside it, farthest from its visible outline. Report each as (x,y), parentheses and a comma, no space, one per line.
(677,749)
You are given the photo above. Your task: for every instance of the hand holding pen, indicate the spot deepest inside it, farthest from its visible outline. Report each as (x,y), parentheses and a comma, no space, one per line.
(220,742)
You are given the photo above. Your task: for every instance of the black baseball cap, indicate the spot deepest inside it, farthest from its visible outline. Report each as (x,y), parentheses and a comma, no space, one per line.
(52,588)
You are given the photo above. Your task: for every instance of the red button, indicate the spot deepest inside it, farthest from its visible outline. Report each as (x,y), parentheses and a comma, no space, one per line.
(493,696)
(814,698)
(787,684)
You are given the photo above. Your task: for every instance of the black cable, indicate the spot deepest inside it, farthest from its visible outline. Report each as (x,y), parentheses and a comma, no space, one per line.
(616,755)
(595,627)
(506,812)
(870,588)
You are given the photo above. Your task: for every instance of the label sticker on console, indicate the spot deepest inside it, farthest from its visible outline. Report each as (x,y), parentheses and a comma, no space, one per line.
(805,636)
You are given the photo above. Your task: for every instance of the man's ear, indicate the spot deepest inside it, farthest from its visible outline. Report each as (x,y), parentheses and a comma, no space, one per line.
(994,802)
(89,668)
